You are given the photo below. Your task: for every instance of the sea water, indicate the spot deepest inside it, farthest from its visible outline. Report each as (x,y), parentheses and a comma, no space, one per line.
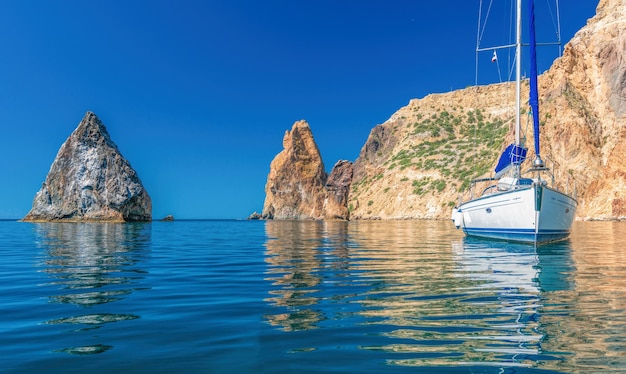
(307,297)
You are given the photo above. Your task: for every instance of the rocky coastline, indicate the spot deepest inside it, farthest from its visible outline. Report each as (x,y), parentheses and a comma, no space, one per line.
(418,163)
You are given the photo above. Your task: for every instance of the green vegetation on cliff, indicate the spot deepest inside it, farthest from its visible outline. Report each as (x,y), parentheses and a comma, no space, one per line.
(458,145)
(426,152)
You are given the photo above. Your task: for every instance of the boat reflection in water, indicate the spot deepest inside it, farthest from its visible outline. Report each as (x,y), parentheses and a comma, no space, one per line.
(415,293)
(505,284)
(91,264)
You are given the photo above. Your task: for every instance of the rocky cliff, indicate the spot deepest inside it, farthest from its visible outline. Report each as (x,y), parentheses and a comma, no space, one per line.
(89,180)
(298,187)
(420,161)
(590,82)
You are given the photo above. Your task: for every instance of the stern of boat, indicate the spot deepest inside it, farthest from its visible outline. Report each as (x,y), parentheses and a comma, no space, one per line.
(457,217)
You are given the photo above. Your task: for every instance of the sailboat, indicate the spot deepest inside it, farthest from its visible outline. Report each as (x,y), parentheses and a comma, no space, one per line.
(520,204)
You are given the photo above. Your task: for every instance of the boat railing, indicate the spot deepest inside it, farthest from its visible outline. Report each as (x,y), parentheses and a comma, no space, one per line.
(549,169)
(490,185)
(546,174)
(482,182)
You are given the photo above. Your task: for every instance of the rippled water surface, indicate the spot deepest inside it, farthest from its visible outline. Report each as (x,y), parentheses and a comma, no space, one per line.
(308,297)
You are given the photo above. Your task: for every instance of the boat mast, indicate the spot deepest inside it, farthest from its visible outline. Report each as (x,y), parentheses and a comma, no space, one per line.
(518,78)
(533,95)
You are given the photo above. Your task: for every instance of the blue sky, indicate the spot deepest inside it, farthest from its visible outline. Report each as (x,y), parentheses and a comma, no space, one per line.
(198,94)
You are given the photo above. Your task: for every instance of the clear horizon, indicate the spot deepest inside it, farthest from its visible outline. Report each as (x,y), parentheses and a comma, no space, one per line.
(198,95)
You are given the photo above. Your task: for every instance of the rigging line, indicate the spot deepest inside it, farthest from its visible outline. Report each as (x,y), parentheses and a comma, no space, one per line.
(511,69)
(479,36)
(484,26)
(512,38)
(498,67)
(480,8)
(556,25)
(511,41)
(511,23)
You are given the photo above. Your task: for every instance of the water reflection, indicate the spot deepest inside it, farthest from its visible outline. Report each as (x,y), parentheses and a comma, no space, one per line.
(589,320)
(363,272)
(424,296)
(91,264)
(443,301)
(300,256)
(505,287)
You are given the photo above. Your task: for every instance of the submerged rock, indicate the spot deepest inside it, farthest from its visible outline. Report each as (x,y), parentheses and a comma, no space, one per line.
(90,180)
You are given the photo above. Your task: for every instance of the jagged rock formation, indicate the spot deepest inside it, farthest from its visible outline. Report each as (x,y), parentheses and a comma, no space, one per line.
(255,216)
(298,187)
(89,180)
(337,190)
(420,161)
(296,181)
(590,80)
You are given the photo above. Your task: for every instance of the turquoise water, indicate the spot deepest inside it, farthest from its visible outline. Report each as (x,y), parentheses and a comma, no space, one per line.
(308,297)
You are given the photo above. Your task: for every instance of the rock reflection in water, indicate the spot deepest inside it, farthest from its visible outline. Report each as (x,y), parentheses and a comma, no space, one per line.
(92,264)
(298,254)
(426,298)
(588,319)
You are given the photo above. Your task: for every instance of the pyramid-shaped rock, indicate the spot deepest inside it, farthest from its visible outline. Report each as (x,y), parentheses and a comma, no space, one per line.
(90,180)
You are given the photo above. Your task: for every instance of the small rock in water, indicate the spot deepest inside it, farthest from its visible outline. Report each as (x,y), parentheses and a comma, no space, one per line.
(254,216)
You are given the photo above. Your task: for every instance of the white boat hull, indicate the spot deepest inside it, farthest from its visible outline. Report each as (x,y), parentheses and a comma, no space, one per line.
(532,214)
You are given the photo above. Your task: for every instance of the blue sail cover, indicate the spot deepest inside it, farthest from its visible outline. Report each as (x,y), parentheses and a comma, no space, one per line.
(512,155)
(533,95)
